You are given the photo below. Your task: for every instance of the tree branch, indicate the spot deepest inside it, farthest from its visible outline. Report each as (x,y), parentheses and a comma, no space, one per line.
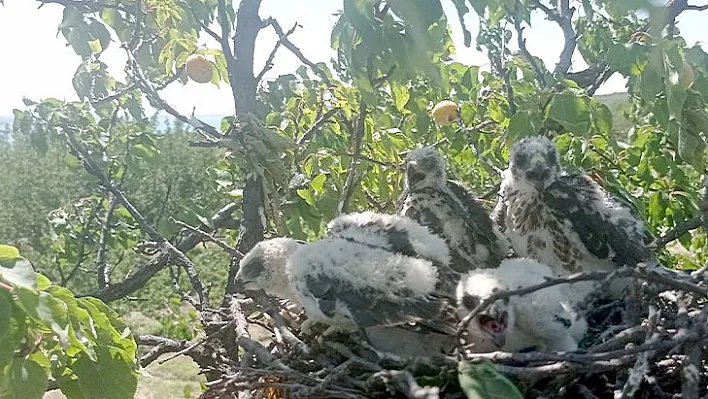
(137,279)
(208,237)
(697,8)
(189,267)
(678,231)
(269,63)
(243,86)
(307,136)
(295,50)
(357,137)
(160,346)
(104,275)
(653,276)
(564,18)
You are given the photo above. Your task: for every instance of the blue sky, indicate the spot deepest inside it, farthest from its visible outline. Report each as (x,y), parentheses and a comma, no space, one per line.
(37,63)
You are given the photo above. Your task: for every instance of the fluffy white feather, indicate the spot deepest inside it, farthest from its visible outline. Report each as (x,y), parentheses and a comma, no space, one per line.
(349,285)
(371,270)
(387,231)
(543,319)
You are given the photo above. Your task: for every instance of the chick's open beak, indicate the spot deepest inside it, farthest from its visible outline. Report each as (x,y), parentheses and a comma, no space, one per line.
(494,324)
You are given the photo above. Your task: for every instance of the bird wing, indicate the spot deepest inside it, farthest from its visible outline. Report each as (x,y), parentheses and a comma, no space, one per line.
(445,215)
(397,234)
(479,223)
(368,306)
(579,200)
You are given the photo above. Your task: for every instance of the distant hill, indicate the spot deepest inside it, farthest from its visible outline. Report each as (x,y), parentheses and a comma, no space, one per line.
(618,104)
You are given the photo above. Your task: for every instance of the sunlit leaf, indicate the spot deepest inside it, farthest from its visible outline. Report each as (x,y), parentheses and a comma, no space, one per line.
(482,381)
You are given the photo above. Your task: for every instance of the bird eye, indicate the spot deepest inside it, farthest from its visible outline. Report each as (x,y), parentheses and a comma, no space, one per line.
(469,302)
(428,164)
(551,157)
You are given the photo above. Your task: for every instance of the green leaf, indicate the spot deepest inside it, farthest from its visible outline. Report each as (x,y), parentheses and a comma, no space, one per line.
(418,13)
(8,253)
(482,381)
(79,38)
(317,183)
(601,117)
(42,282)
(18,272)
(401,95)
(100,34)
(109,377)
(657,207)
(307,196)
(24,379)
(10,335)
(622,57)
(95,46)
(48,310)
(145,151)
(570,110)
(524,123)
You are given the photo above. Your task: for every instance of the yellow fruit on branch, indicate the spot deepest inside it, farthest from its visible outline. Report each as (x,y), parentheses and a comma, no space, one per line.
(445,112)
(199,69)
(686,80)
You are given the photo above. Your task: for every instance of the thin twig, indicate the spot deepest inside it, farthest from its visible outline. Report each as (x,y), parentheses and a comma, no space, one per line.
(678,231)
(208,237)
(91,167)
(319,123)
(525,52)
(357,138)
(641,365)
(269,62)
(295,50)
(104,276)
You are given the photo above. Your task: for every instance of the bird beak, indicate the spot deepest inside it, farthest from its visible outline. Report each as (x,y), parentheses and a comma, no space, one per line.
(494,324)
(413,174)
(539,171)
(243,285)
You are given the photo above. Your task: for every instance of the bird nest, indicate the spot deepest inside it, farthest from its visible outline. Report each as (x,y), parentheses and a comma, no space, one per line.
(650,344)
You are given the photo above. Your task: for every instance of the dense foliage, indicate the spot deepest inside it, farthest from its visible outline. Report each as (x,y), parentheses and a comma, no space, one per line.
(328,139)
(45,331)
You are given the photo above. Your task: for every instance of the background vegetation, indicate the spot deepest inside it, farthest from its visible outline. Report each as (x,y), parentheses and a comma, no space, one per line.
(104,202)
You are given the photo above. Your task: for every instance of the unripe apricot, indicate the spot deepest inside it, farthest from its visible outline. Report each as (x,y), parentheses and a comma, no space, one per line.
(199,69)
(445,112)
(688,76)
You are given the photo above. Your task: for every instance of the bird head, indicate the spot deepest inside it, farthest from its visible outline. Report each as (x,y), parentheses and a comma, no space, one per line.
(489,328)
(494,321)
(425,167)
(263,267)
(534,160)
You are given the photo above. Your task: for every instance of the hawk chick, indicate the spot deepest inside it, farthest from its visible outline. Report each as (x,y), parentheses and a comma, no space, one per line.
(371,270)
(542,319)
(448,209)
(566,221)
